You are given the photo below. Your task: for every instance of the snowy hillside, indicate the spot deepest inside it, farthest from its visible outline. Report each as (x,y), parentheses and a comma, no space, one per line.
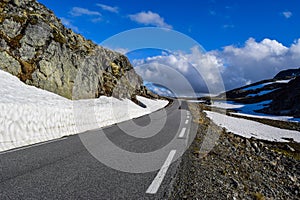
(248,128)
(250,110)
(273,100)
(29,115)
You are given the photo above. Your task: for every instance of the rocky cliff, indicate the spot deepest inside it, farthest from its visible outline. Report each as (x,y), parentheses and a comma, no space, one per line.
(37,48)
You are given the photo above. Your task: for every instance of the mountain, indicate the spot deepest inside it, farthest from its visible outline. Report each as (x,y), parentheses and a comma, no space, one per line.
(289,73)
(282,92)
(40,51)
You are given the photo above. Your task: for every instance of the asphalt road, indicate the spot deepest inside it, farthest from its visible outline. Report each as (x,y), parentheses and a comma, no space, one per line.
(136,159)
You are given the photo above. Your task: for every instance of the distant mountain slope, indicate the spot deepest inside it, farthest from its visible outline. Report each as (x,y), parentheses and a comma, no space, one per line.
(289,73)
(40,51)
(286,101)
(283,91)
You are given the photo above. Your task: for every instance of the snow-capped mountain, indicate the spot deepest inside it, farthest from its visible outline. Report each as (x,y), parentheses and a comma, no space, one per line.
(282,94)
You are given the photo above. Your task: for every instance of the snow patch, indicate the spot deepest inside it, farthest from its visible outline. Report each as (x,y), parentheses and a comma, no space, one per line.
(243,108)
(284,81)
(272,117)
(255,87)
(226,104)
(261,93)
(264,84)
(249,110)
(248,128)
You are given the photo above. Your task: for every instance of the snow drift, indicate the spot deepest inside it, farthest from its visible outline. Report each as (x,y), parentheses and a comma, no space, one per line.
(30,115)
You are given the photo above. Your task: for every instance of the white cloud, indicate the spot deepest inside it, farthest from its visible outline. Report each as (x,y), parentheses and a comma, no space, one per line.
(237,66)
(77,11)
(69,24)
(185,74)
(150,18)
(96,20)
(108,8)
(287,14)
(256,61)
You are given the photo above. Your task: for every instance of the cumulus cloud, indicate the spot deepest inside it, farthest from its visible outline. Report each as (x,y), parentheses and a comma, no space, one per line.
(256,61)
(184,74)
(231,67)
(287,14)
(77,11)
(150,18)
(108,8)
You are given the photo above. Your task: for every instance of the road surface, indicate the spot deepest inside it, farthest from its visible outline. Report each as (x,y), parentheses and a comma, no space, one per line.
(138,160)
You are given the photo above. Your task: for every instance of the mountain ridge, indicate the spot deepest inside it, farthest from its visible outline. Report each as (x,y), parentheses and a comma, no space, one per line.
(283,92)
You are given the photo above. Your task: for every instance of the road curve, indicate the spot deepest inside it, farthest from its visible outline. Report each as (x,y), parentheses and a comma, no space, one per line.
(74,168)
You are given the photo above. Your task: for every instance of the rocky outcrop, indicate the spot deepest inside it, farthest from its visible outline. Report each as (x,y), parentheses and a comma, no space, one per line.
(286,74)
(286,100)
(37,48)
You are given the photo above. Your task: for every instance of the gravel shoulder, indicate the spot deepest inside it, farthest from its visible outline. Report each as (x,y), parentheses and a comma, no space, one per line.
(236,167)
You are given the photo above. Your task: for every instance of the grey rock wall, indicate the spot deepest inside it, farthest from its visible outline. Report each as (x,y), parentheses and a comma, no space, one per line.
(37,48)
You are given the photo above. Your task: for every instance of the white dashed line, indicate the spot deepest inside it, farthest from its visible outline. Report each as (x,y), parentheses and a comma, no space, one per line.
(182,132)
(153,188)
(186,121)
(34,145)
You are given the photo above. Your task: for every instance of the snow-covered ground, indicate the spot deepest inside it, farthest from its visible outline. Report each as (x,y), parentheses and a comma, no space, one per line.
(249,110)
(30,115)
(248,128)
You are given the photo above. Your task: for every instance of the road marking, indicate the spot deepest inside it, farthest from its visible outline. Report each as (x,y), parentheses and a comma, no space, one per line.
(181,135)
(186,121)
(153,188)
(33,145)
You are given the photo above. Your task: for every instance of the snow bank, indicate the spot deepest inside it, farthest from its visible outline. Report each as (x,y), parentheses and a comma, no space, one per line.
(248,128)
(272,117)
(30,115)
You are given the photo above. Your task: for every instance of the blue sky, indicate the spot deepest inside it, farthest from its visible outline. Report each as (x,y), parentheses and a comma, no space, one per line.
(244,41)
(213,23)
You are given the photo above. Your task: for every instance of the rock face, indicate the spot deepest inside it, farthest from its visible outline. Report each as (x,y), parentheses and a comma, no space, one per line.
(286,100)
(37,48)
(289,73)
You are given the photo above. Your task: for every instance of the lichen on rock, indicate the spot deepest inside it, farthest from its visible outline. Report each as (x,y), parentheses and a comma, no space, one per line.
(36,47)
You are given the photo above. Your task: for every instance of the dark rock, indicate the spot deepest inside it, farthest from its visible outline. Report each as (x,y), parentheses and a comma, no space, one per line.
(287,74)
(234,182)
(286,100)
